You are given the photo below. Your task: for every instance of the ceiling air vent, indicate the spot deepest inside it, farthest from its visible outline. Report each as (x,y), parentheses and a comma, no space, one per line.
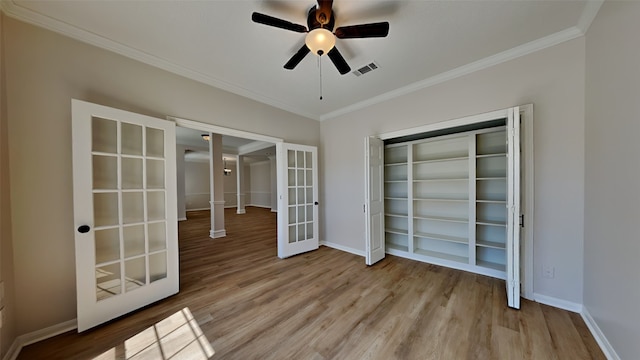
(365,69)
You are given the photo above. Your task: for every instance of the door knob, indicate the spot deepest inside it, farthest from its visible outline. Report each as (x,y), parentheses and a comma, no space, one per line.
(84,229)
(315,203)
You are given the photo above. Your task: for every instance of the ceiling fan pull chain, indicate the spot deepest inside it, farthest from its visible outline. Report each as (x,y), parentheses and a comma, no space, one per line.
(320,66)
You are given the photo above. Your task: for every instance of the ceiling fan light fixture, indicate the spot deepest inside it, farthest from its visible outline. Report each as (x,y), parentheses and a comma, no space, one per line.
(320,41)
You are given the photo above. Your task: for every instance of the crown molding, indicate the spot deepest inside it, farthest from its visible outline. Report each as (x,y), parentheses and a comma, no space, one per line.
(516,52)
(15,11)
(588,14)
(590,11)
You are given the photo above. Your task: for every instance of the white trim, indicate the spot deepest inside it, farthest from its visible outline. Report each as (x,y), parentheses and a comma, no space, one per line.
(254,146)
(467,120)
(38,335)
(43,21)
(558,303)
(513,53)
(260,206)
(241,211)
(214,234)
(15,348)
(342,248)
(182,218)
(605,346)
(589,13)
(197,125)
(261,162)
(196,209)
(217,202)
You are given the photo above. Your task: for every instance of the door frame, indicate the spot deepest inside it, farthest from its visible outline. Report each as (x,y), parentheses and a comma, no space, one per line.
(527,177)
(210,128)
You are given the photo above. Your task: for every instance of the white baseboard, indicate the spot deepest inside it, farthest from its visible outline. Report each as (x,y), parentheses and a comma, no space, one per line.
(39,335)
(559,303)
(214,234)
(342,248)
(241,211)
(260,206)
(605,346)
(198,209)
(274,210)
(182,219)
(14,351)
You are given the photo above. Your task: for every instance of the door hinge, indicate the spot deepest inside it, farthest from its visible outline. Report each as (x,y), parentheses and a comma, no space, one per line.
(521,220)
(364,208)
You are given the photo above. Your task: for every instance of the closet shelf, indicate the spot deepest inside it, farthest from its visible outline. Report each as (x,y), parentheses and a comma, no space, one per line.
(442,237)
(491,265)
(397,231)
(427,161)
(396,215)
(491,223)
(490,244)
(440,255)
(441,180)
(491,155)
(440,199)
(397,247)
(440,218)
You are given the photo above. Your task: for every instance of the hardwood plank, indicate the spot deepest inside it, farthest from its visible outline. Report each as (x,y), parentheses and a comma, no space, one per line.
(325,304)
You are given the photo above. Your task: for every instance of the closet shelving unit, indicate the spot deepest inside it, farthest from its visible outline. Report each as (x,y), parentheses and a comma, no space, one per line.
(445,200)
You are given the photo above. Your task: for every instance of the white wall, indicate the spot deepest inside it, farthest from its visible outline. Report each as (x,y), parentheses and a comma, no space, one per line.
(44,72)
(230,186)
(260,184)
(612,197)
(551,79)
(197,185)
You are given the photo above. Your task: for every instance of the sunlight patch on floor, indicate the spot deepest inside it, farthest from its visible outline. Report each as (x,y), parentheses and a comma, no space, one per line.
(175,337)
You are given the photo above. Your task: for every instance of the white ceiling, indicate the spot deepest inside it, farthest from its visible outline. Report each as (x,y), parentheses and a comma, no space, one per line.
(216,42)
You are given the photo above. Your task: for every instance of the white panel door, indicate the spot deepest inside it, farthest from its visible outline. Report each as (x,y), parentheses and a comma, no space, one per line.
(374,200)
(513,208)
(124,194)
(297,199)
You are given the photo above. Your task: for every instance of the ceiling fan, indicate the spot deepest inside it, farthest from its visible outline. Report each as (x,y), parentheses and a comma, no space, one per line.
(321,37)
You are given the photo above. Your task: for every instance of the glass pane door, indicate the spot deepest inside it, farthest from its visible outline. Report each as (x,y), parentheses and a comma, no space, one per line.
(124,201)
(298,218)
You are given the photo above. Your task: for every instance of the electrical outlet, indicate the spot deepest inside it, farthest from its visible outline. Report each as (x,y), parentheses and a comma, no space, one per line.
(548,272)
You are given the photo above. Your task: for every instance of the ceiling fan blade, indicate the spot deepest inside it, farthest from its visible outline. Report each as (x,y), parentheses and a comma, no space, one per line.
(275,22)
(380,29)
(296,58)
(338,61)
(323,13)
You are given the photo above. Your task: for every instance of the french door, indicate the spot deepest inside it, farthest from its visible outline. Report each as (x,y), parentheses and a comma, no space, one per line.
(297,199)
(125,212)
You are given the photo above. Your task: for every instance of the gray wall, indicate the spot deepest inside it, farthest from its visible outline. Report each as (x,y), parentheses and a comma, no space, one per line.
(612,198)
(8,330)
(197,185)
(551,79)
(47,70)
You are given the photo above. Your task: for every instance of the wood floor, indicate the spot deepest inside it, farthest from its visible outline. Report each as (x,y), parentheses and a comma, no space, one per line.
(327,304)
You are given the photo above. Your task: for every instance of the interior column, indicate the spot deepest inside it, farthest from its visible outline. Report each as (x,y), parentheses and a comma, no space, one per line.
(217,186)
(240,183)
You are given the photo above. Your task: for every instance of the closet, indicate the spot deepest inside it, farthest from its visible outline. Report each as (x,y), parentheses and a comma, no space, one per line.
(449,194)
(445,200)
